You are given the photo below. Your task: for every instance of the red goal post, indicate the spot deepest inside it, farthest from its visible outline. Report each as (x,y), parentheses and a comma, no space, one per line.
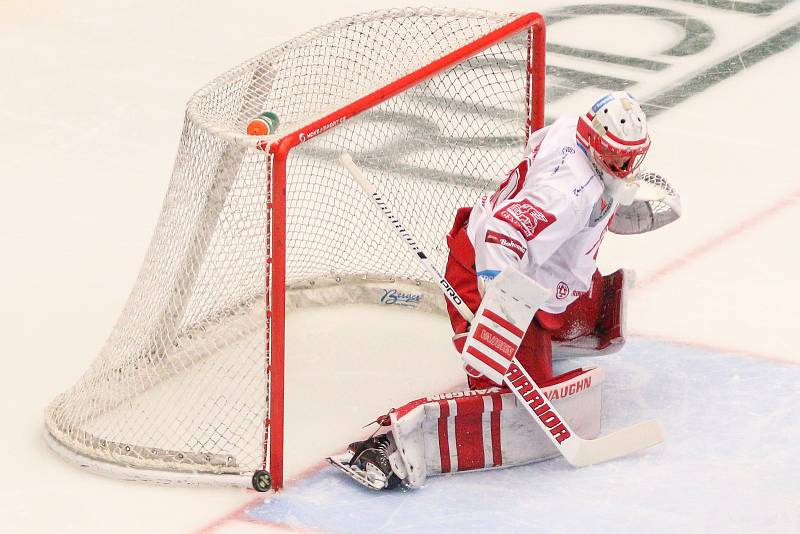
(533,25)
(435,105)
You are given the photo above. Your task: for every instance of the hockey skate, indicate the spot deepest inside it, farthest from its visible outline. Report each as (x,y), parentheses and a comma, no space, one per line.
(367,462)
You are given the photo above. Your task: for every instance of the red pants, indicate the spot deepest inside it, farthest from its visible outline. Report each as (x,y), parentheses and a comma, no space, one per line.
(535,353)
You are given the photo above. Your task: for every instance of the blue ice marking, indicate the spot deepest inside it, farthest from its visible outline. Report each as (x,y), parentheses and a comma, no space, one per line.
(729,463)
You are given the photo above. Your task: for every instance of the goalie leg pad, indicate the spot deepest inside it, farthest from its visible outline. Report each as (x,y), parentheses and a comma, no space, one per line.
(460,273)
(535,354)
(489,429)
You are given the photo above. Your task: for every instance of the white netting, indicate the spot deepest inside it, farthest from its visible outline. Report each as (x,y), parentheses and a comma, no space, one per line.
(180,384)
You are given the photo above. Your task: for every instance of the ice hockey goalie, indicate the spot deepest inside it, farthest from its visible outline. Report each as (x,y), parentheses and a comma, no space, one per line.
(580,178)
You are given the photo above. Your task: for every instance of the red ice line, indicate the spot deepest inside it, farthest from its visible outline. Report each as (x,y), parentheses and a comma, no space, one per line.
(705,248)
(715,242)
(239,514)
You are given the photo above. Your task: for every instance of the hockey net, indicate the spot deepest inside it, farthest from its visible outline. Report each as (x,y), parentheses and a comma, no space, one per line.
(434,105)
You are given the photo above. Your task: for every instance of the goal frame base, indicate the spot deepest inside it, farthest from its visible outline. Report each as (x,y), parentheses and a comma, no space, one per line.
(139,474)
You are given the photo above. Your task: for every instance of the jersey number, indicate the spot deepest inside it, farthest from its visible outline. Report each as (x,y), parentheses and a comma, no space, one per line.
(513,184)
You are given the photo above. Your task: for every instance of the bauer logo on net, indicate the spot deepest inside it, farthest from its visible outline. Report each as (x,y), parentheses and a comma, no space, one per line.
(393,297)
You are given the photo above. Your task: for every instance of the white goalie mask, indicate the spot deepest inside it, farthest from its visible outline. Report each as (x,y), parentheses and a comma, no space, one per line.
(614,136)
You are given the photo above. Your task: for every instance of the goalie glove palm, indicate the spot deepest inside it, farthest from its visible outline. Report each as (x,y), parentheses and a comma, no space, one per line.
(656,205)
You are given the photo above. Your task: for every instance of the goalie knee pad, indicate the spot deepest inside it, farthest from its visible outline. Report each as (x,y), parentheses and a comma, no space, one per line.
(460,273)
(535,355)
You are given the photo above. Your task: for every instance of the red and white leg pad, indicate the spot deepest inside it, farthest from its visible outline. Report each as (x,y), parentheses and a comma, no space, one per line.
(487,429)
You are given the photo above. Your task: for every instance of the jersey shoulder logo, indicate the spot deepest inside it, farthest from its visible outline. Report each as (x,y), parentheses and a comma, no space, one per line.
(503,240)
(526,217)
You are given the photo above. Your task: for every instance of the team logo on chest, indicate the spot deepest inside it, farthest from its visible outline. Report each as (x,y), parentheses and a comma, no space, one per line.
(526,217)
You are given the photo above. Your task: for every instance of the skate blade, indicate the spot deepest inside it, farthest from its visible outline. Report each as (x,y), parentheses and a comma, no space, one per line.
(341,462)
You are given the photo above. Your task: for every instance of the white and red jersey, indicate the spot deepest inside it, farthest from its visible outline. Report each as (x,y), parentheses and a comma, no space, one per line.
(547,219)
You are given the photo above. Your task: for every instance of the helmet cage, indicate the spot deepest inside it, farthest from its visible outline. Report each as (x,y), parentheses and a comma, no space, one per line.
(614,156)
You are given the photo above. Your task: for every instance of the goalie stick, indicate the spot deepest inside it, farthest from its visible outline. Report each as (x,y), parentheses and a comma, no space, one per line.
(577,451)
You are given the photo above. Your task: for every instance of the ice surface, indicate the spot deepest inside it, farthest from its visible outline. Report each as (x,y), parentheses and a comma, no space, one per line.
(729,463)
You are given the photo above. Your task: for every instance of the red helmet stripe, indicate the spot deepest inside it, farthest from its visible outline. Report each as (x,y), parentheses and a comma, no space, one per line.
(624,142)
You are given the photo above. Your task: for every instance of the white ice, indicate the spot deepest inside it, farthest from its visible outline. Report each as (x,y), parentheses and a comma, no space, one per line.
(91,104)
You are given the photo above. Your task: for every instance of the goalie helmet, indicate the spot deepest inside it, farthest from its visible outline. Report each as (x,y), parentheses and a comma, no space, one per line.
(614,136)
